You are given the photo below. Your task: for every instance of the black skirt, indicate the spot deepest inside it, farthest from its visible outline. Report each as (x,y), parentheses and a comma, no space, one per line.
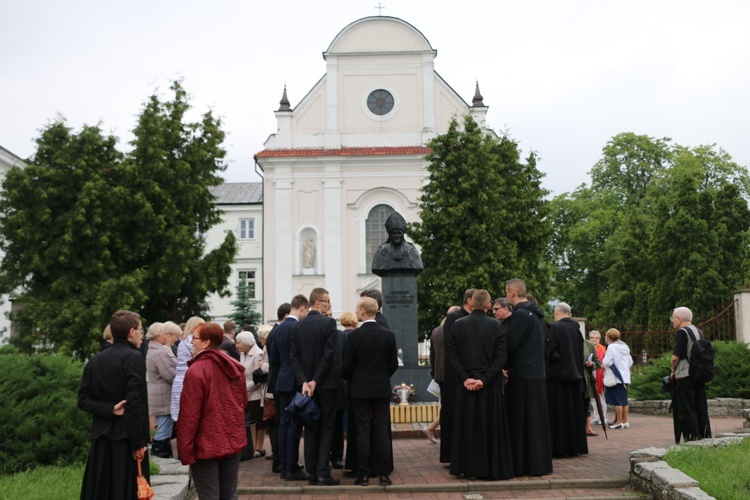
(481,442)
(111,472)
(528,423)
(567,419)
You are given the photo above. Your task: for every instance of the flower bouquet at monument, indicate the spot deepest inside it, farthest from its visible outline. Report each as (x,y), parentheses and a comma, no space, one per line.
(402,392)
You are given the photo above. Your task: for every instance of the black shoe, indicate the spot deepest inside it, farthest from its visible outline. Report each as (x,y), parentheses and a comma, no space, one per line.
(336,464)
(269,457)
(312,481)
(282,475)
(299,475)
(276,470)
(362,481)
(328,481)
(385,481)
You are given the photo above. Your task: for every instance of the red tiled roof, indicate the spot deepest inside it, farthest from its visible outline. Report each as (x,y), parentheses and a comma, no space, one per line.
(376,151)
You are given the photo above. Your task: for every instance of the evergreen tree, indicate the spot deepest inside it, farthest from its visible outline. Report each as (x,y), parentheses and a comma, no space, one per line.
(87,230)
(171,167)
(483,220)
(245,312)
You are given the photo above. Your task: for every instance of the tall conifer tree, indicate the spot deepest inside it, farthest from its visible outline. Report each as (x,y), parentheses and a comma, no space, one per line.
(483,220)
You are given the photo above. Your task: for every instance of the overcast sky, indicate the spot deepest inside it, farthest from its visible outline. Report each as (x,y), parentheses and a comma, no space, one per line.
(562,77)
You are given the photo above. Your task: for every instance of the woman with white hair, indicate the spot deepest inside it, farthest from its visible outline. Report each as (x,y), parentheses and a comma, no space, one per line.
(251,357)
(161,367)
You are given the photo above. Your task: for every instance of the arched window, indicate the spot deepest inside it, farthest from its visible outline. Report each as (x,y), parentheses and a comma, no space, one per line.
(375,232)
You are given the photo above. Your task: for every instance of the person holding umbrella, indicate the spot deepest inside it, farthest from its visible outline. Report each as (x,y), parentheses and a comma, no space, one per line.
(591,364)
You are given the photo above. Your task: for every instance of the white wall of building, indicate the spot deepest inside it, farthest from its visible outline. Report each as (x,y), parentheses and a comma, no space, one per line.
(249,254)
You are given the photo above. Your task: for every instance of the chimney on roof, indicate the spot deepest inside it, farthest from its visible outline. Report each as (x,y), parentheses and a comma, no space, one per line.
(284,103)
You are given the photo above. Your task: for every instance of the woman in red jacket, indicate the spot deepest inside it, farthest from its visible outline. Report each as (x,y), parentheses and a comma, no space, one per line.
(211,425)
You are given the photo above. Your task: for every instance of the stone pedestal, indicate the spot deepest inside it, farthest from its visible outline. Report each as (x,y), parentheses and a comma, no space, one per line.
(400,308)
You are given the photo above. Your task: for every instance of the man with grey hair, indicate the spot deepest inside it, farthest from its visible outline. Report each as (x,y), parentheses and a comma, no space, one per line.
(565,385)
(689,405)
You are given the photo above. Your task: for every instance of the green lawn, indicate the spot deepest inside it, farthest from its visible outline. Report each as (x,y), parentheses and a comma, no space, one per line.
(722,472)
(43,483)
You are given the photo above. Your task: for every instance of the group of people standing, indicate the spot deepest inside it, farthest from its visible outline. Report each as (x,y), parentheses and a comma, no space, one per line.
(202,389)
(516,390)
(308,355)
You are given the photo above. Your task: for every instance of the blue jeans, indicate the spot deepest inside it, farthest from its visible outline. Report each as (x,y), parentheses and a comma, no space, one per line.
(164,426)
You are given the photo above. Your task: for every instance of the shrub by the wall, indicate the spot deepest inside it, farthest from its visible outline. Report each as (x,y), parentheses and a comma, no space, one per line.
(41,423)
(732,378)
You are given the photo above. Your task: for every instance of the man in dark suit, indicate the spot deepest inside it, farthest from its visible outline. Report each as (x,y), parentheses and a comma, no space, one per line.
(113,390)
(313,348)
(290,430)
(376,294)
(273,372)
(450,379)
(370,359)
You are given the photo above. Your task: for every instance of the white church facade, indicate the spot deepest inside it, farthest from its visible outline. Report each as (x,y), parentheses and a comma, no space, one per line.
(347,155)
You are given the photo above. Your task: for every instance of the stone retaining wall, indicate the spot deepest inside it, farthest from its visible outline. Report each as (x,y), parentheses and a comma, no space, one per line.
(719,407)
(650,473)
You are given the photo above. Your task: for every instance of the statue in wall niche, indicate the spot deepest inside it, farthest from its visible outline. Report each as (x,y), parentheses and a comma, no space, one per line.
(308,253)
(396,255)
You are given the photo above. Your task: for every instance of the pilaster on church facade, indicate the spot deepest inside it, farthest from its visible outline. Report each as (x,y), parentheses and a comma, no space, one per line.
(351,152)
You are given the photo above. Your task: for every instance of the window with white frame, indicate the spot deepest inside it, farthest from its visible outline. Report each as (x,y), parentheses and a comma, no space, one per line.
(249,277)
(375,232)
(247,229)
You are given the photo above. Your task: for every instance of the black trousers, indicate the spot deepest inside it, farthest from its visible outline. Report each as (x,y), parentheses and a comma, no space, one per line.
(337,445)
(372,418)
(290,431)
(318,438)
(690,410)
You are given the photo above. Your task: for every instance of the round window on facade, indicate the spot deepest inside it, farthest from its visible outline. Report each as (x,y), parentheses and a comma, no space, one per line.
(380,102)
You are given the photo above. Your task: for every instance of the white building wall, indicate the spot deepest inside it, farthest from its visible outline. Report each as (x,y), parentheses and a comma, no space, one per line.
(249,255)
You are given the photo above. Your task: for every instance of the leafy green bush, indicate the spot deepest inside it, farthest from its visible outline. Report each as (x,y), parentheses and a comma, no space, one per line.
(41,423)
(732,378)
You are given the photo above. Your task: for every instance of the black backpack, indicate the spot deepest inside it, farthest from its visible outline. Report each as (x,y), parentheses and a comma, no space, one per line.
(701,359)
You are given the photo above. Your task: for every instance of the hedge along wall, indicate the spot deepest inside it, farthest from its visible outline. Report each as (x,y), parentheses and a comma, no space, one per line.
(732,378)
(40,422)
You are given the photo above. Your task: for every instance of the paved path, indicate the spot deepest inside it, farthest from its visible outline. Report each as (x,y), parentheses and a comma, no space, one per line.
(417,465)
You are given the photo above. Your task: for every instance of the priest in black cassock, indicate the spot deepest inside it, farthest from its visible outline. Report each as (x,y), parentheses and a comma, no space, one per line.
(450,379)
(526,390)
(481,443)
(565,385)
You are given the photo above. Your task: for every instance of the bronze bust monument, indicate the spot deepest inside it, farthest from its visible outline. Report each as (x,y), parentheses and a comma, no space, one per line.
(396,256)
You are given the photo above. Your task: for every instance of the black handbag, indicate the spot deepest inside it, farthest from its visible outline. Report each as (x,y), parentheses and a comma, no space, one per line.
(259,376)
